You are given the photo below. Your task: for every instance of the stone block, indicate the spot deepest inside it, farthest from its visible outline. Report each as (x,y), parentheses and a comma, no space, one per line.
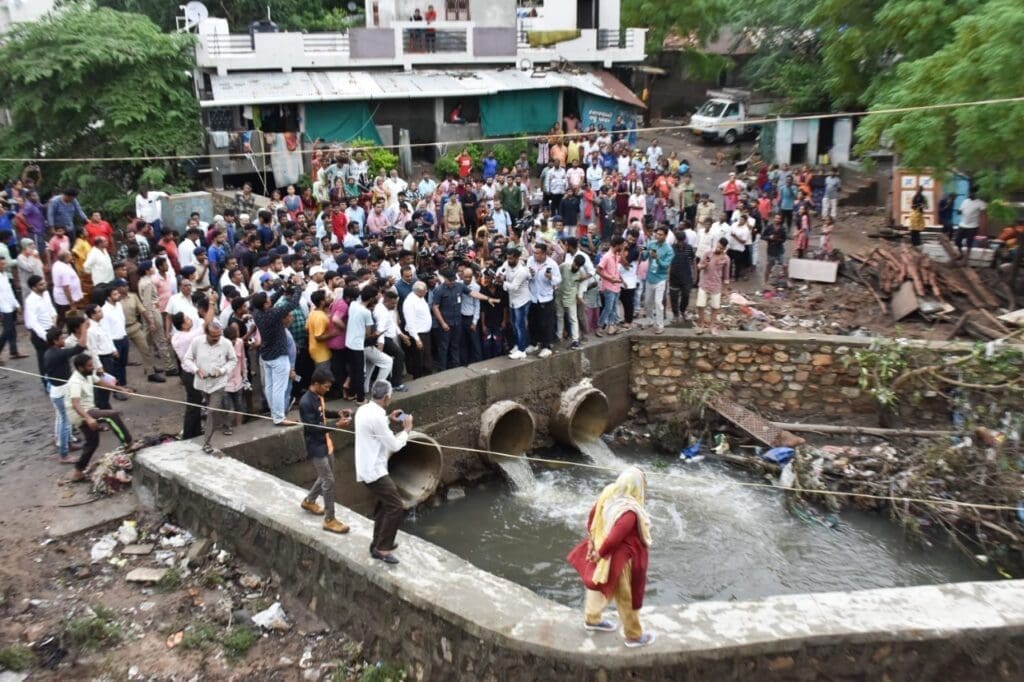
(800,358)
(703,365)
(801,375)
(726,367)
(771,377)
(730,357)
(795,387)
(821,360)
(779,356)
(850,391)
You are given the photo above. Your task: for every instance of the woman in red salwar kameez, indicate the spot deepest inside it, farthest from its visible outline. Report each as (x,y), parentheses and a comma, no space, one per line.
(613,559)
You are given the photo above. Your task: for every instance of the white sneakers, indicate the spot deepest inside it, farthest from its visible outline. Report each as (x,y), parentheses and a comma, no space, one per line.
(517,354)
(530,350)
(545,353)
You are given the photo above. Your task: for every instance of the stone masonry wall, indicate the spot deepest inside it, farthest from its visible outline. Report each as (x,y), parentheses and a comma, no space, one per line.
(778,375)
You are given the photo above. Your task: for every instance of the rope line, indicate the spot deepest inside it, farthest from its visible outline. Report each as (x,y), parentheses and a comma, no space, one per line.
(585,465)
(491,140)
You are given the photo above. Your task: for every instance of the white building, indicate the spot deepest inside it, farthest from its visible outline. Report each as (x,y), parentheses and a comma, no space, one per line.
(511,67)
(19,11)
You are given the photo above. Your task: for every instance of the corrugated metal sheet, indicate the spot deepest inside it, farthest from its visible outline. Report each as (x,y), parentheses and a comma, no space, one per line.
(242,88)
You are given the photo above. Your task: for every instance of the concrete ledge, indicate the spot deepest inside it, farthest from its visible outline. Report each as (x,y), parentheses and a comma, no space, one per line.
(452,621)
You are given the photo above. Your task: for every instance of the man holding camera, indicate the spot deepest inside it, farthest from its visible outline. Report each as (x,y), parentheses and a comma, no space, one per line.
(273,351)
(374,445)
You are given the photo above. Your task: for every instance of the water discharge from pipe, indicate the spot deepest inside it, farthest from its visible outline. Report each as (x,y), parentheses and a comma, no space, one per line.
(508,427)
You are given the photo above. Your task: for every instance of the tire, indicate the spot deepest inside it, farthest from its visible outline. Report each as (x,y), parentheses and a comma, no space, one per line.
(730,137)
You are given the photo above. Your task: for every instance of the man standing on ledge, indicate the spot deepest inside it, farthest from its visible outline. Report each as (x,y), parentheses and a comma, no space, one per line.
(375,443)
(320,447)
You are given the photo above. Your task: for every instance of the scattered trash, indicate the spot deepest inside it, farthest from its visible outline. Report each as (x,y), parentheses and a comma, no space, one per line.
(307,659)
(250,581)
(138,550)
(779,456)
(738,299)
(787,478)
(691,451)
(175,639)
(146,575)
(223,556)
(127,533)
(272,618)
(103,548)
(182,538)
(721,445)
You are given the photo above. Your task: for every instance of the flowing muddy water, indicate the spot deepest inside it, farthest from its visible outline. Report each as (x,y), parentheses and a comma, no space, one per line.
(712,540)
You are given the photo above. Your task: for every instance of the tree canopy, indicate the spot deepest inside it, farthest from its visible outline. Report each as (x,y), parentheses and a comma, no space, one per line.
(88,82)
(290,15)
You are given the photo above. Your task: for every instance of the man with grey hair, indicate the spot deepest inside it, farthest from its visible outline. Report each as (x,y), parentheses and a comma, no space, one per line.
(211,359)
(374,444)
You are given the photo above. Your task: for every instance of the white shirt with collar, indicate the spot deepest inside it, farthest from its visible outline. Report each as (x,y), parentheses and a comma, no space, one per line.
(40,314)
(99,266)
(386,321)
(8,303)
(375,442)
(113,320)
(417,315)
(187,253)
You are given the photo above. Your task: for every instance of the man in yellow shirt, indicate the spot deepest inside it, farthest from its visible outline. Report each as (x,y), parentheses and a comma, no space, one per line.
(319,328)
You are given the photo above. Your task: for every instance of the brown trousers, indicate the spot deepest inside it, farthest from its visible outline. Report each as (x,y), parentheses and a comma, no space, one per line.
(387,514)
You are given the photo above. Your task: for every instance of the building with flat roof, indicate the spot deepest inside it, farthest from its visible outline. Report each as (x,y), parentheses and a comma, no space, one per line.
(511,66)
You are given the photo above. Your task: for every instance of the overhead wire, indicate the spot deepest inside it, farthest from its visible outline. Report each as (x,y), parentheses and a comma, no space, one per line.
(934,502)
(513,138)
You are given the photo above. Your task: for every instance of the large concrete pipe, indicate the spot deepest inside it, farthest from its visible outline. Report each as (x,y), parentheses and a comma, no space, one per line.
(582,415)
(416,469)
(508,427)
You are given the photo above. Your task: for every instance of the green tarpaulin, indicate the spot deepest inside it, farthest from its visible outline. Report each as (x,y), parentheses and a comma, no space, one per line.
(521,111)
(340,122)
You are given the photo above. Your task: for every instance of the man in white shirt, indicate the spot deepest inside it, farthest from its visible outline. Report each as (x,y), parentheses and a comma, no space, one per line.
(385,316)
(98,263)
(374,351)
(545,276)
(972,213)
(595,175)
(149,209)
(40,316)
(374,444)
(181,302)
(739,238)
(654,154)
(211,359)
(67,287)
(8,311)
(418,323)
(515,278)
(188,246)
(114,324)
(394,186)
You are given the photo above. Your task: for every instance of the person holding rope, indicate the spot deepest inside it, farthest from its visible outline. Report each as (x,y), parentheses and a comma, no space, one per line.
(612,560)
(80,392)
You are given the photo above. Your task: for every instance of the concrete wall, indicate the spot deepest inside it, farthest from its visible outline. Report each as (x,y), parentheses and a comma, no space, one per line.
(779,375)
(447,620)
(494,42)
(371,43)
(447,407)
(481,12)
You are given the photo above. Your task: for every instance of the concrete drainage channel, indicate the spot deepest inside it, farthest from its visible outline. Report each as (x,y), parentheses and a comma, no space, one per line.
(451,621)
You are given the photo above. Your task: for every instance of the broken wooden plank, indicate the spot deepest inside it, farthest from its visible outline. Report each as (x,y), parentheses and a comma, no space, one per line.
(904,301)
(754,424)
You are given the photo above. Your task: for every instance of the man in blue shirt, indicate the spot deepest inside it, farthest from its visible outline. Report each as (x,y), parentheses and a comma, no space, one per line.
(659,256)
(62,210)
(490,165)
(787,197)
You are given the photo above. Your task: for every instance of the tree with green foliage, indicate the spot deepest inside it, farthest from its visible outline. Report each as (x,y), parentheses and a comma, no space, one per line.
(981,60)
(698,20)
(98,83)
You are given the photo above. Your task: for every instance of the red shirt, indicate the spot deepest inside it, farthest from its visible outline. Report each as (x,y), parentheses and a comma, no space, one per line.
(622,545)
(339,225)
(465,165)
(100,229)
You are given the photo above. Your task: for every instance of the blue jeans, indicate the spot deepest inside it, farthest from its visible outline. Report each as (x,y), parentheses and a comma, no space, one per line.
(609,308)
(276,385)
(519,324)
(62,426)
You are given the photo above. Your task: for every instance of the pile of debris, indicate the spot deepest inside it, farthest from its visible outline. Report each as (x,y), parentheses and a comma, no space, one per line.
(914,282)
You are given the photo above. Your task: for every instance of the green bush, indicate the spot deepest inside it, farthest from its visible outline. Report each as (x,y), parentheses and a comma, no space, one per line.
(387,672)
(239,641)
(507,153)
(381,158)
(16,657)
(89,632)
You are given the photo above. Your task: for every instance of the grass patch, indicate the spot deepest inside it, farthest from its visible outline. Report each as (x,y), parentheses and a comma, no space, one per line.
(170,582)
(238,642)
(211,580)
(89,632)
(199,637)
(387,672)
(16,657)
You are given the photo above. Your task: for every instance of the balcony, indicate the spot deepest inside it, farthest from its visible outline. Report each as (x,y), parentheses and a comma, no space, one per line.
(407,44)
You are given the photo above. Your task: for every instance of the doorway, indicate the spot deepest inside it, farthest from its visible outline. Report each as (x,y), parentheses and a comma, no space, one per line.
(587,13)
(456,10)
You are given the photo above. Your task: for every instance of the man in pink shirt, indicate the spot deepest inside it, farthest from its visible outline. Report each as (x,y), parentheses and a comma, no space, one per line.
(610,286)
(714,277)
(377,222)
(67,288)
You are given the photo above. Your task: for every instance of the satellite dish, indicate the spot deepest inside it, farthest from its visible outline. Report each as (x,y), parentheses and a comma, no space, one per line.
(195,12)
(352,7)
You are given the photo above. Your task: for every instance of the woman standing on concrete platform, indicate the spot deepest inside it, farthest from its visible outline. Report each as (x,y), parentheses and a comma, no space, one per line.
(613,559)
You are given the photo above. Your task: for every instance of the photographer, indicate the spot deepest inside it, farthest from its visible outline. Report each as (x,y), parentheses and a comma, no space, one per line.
(374,444)
(545,277)
(273,352)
